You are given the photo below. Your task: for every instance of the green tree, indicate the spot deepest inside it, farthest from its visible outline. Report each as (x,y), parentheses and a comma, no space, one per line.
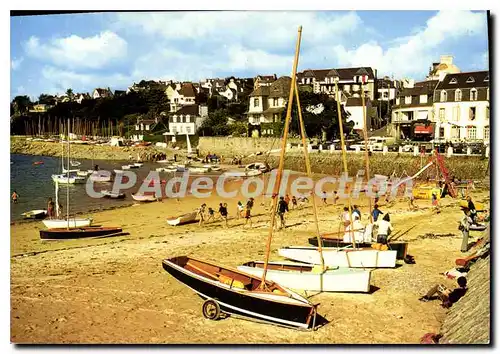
(319,112)
(69,93)
(215,124)
(21,104)
(238,128)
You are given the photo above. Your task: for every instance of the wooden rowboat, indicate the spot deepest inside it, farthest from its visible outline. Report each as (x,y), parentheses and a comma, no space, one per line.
(183,219)
(81,232)
(228,290)
(308,277)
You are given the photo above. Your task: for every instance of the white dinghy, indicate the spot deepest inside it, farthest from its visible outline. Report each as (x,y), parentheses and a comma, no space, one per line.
(65,223)
(338,257)
(183,219)
(299,276)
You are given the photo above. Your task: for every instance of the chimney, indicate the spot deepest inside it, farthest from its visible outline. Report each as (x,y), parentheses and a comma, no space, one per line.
(446,59)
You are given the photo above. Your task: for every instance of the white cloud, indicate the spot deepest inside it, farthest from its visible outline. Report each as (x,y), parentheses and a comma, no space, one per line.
(59,80)
(413,54)
(16,63)
(253,28)
(77,52)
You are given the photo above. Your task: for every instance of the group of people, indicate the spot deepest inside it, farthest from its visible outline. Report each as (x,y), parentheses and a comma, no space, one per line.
(206,214)
(212,158)
(364,233)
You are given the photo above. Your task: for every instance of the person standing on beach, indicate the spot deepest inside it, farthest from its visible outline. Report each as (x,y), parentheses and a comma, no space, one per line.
(287,200)
(435,203)
(384,229)
(248,211)
(345,217)
(294,202)
(282,209)
(335,197)
(211,214)
(376,213)
(323,197)
(223,213)
(50,208)
(14,197)
(201,214)
(356,211)
(239,210)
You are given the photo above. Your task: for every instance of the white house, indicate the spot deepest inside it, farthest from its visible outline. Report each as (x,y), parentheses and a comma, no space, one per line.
(354,106)
(187,120)
(268,102)
(462,107)
(387,89)
(413,111)
(322,81)
(182,95)
(101,93)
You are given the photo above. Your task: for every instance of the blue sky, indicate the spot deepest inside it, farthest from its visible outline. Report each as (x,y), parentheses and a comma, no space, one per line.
(50,54)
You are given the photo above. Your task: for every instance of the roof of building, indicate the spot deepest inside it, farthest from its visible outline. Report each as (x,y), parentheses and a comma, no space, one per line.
(101,91)
(191,110)
(187,90)
(420,88)
(260,91)
(345,74)
(465,80)
(280,87)
(468,320)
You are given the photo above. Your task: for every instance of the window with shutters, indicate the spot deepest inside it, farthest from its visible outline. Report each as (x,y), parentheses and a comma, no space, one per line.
(275,102)
(456,113)
(407,99)
(256,102)
(458,95)
(487,132)
(471,133)
(441,114)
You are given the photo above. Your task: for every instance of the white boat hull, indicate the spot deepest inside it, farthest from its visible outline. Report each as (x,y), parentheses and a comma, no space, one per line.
(61,223)
(97,177)
(144,198)
(358,258)
(332,280)
(183,219)
(83,173)
(65,180)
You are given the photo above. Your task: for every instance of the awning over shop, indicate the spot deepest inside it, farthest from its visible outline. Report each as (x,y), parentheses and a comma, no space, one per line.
(422,129)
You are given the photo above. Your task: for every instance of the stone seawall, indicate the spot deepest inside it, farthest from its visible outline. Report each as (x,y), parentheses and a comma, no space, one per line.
(238,146)
(82,151)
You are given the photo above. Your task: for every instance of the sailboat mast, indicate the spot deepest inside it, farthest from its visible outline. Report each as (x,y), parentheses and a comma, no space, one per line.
(367,155)
(309,174)
(282,157)
(344,158)
(67,182)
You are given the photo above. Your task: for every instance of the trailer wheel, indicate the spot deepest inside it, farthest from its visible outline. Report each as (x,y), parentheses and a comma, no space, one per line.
(211,310)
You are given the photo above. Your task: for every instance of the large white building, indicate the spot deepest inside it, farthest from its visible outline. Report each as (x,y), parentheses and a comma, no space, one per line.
(453,108)
(462,107)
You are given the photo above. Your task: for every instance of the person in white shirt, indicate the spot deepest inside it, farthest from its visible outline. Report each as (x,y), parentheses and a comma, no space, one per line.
(358,230)
(384,229)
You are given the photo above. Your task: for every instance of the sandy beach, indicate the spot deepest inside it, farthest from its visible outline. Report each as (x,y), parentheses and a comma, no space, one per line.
(114,290)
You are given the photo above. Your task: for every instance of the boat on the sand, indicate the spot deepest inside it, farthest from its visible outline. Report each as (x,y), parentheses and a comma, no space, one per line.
(35,214)
(81,232)
(230,291)
(400,247)
(308,277)
(143,198)
(109,194)
(183,219)
(73,222)
(341,257)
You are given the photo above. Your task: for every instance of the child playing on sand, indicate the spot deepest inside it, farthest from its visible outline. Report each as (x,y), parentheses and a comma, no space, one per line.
(435,203)
(240,208)
(201,214)
(223,212)
(323,197)
(248,211)
(335,197)
(294,202)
